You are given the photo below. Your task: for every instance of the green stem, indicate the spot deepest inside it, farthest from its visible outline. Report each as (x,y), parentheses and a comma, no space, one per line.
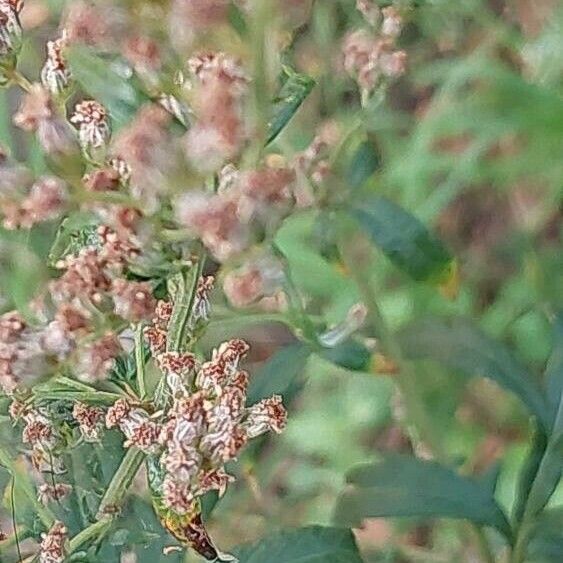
(184,299)
(140,362)
(95,530)
(120,482)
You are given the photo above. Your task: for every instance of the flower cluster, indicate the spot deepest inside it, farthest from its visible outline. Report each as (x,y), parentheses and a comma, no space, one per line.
(52,548)
(207,423)
(370,56)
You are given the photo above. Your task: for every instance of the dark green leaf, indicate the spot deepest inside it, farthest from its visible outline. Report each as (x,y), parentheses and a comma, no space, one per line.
(547,544)
(280,374)
(365,162)
(401,485)
(405,240)
(101,79)
(313,544)
(349,355)
(459,344)
(295,89)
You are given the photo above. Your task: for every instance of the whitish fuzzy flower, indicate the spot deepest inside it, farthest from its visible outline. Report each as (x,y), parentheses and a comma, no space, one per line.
(56,340)
(253,281)
(370,10)
(190,17)
(265,416)
(140,431)
(202,305)
(92,121)
(10,29)
(39,431)
(392,22)
(214,219)
(48,492)
(133,300)
(90,421)
(37,113)
(182,462)
(84,22)
(52,548)
(97,358)
(55,74)
(72,318)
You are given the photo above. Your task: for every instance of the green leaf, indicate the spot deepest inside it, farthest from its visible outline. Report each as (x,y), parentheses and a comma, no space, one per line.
(101,78)
(350,355)
(74,233)
(313,544)
(295,89)
(280,374)
(401,485)
(547,543)
(365,162)
(405,240)
(554,370)
(459,344)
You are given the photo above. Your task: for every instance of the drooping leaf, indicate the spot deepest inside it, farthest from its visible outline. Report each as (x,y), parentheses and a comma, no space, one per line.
(401,485)
(107,82)
(405,240)
(294,90)
(313,544)
(459,344)
(280,374)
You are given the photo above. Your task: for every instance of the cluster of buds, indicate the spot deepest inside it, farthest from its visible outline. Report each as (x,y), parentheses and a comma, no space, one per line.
(371,55)
(49,492)
(226,221)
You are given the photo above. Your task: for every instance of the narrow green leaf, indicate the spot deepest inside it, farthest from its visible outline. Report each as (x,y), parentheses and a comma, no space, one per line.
(547,543)
(295,89)
(405,240)
(313,544)
(401,485)
(280,374)
(101,79)
(459,344)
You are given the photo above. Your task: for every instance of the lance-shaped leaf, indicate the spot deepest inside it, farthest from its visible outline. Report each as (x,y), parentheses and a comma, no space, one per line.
(459,344)
(295,89)
(401,485)
(313,544)
(365,162)
(103,80)
(405,240)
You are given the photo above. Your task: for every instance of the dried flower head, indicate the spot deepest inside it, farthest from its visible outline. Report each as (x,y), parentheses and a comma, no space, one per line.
(90,421)
(52,548)
(55,74)
(93,125)
(48,492)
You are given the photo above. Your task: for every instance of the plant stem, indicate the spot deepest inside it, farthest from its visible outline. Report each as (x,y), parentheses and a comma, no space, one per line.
(183,303)
(95,530)
(140,362)
(18,78)
(120,482)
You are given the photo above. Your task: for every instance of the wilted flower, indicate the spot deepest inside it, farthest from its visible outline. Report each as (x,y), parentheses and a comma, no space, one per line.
(48,492)
(55,74)
(90,421)
(10,29)
(52,548)
(93,125)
